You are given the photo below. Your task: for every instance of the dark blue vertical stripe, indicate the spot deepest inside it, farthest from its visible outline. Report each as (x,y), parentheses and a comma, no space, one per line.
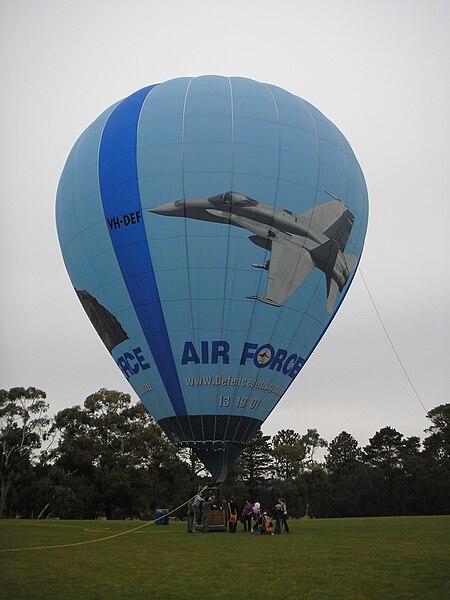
(120,196)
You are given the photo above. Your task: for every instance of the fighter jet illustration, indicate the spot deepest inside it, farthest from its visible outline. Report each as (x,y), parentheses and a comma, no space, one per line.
(315,238)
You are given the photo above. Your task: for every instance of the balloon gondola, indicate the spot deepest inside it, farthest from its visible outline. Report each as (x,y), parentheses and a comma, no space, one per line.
(211,227)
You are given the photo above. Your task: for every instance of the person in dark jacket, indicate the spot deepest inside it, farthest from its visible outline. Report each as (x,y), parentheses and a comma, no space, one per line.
(206,510)
(247,515)
(282,501)
(278,514)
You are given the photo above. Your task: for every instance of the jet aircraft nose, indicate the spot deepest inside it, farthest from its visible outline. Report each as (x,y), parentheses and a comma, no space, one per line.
(168,209)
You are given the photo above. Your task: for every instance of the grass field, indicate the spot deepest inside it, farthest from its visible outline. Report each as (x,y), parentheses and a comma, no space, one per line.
(367,558)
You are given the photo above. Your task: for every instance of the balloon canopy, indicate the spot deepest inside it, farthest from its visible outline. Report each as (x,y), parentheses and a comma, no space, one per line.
(211,227)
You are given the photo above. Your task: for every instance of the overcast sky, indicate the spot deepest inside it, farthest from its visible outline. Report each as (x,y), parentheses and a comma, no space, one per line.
(377,69)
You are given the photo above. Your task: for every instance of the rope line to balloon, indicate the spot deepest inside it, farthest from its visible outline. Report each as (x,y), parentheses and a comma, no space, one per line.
(108,537)
(391,342)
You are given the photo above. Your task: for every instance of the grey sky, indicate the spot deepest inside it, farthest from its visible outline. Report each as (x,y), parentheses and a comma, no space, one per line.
(378,70)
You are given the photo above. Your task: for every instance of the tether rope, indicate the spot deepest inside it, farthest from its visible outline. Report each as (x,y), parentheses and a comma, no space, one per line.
(108,537)
(391,343)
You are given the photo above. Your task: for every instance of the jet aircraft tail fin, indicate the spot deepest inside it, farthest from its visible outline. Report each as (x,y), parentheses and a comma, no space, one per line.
(340,230)
(333,290)
(332,287)
(324,256)
(351,261)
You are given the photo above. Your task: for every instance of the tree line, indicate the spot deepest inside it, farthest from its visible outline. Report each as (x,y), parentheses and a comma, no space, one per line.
(108,458)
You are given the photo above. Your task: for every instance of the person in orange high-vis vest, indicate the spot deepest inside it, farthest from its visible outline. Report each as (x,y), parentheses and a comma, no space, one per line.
(232,515)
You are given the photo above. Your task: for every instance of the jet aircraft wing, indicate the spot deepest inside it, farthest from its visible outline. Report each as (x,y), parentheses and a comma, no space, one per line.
(290,264)
(334,220)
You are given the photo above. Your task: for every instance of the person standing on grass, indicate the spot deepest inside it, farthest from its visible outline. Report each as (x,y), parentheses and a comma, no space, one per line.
(282,502)
(206,510)
(256,512)
(277,513)
(190,517)
(232,515)
(197,506)
(247,515)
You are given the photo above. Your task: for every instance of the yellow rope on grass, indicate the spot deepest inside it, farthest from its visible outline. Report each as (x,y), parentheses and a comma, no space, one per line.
(103,539)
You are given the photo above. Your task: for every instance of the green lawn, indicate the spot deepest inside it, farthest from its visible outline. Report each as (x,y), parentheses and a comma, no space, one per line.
(367,558)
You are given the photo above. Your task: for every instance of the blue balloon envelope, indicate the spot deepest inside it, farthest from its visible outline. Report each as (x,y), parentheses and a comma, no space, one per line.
(211,227)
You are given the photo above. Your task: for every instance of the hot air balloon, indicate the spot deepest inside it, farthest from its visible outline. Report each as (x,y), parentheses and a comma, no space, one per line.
(211,227)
